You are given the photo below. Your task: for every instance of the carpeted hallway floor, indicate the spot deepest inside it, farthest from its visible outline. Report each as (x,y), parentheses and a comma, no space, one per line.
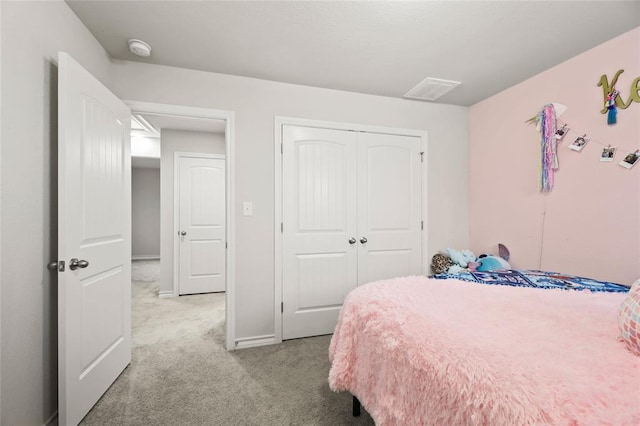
(182,375)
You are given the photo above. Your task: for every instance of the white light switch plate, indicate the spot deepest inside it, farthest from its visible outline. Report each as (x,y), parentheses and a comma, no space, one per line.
(247,208)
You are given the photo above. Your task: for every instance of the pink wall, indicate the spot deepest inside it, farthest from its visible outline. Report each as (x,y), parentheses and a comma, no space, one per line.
(592,224)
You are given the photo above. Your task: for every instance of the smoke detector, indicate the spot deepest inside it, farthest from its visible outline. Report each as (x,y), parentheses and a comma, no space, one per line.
(139,47)
(431,89)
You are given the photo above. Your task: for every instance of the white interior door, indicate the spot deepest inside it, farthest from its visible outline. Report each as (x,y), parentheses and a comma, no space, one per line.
(389,206)
(94,228)
(319,219)
(201,225)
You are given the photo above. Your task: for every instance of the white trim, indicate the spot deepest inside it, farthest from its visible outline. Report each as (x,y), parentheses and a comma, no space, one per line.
(53,420)
(229,117)
(426,264)
(51,280)
(176,210)
(145,257)
(166,294)
(277,241)
(255,341)
(279,121)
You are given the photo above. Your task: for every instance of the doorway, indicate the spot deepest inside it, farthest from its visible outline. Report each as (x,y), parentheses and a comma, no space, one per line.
(181,123)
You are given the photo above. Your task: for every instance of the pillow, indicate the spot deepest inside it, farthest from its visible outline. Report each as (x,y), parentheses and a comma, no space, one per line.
(629,319)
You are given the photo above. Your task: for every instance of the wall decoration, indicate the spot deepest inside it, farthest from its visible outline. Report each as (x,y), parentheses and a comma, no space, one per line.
(562,131)
(546,123)
(610,103)
(609,88)
(579,143)
(553,130)
(607,154)
(630,159)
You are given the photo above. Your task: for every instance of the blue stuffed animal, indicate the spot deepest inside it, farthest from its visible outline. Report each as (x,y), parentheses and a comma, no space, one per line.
(491,263)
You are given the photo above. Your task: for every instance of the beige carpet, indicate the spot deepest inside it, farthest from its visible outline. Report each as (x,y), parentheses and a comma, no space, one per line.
(182,375)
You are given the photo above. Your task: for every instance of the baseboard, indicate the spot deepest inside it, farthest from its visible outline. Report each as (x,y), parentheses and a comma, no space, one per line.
(254,342)
(146,257)
(165,294)
(53,420)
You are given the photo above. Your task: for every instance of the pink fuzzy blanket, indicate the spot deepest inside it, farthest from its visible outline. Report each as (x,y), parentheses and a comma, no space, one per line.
(417,351)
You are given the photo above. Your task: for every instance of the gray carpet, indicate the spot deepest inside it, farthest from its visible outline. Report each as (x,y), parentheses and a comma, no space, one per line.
(182,375)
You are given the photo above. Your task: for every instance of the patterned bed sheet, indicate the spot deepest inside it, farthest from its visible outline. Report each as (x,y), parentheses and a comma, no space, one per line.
(536,279)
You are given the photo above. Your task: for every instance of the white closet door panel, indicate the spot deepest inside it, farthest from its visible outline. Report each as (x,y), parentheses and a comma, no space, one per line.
(319,217)
(389,206)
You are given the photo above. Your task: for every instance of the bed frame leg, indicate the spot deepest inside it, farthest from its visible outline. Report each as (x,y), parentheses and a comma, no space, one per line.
(356,407)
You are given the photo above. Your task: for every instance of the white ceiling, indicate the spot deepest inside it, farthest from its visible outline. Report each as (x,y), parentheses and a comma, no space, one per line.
(192,124)
(382,48)
(145,146)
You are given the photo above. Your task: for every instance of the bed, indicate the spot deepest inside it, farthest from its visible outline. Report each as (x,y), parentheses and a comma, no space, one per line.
(421,351)
(536,279)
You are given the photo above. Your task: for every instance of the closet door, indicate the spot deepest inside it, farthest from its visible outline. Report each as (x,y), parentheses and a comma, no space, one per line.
(389,207)
(319,227)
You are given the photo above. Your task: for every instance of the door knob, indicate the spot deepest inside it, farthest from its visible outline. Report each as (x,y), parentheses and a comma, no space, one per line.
(56,266)
(363,240)
(352,240)
(75,264)
(183,233)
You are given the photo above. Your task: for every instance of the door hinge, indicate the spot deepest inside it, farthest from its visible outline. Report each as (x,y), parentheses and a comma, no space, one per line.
(422,157)
(282,307)
(422,225)
(281,227)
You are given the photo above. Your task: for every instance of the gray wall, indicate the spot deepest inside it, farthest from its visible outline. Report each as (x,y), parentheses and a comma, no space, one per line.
(172,141)
(256,103)
(145,212)
(31,34)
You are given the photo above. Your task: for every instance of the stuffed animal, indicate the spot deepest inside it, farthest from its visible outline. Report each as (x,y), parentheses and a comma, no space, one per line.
(491,263)
(461,257)
(440,263)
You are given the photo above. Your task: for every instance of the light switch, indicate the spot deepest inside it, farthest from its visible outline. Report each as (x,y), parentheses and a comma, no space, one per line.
(247,208)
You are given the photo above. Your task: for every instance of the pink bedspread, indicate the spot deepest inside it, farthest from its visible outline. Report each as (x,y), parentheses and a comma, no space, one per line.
(417,351)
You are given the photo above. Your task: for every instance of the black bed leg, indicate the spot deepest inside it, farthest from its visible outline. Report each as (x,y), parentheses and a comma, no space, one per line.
(356,407)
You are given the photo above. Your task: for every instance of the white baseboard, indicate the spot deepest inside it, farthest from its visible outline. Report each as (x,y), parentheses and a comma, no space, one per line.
(255,341)
(53,420)
(146,257)
(166,294)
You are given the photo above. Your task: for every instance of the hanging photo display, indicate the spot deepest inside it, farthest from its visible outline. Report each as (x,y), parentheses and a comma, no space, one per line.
(562,131)
(607,154)
(630,159)
(579,143)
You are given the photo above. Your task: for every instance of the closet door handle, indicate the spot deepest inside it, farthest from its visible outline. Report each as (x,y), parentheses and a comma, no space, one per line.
(352,240)
(363,240)
(75,264)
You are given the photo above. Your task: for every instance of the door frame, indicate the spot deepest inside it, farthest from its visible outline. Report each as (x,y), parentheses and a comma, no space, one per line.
(280,121)
(138,107)
(176,210)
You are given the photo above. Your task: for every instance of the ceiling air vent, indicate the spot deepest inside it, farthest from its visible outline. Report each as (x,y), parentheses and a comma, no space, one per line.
(431,89)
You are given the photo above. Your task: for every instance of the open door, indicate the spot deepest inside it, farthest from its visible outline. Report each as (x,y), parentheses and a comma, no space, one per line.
(94,239)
